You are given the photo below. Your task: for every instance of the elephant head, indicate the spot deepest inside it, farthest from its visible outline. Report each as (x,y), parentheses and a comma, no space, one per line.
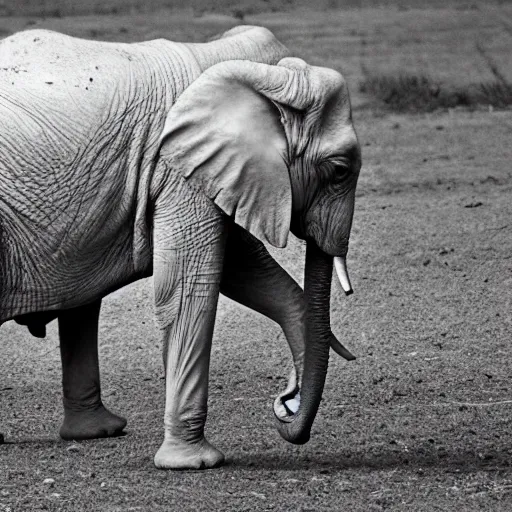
(274,147)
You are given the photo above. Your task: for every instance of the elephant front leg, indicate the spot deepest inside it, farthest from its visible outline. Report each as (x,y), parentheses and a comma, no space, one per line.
(85,416)
(186,294)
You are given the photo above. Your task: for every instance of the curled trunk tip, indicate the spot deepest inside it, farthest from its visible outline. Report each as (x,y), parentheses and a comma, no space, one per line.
(296,428)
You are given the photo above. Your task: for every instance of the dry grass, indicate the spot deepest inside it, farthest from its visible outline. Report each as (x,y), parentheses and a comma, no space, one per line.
(61,8)
(420,93)
(413,60)
(240,8)
(410,58)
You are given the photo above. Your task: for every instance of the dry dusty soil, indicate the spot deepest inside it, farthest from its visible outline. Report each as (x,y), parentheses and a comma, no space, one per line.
(421,421)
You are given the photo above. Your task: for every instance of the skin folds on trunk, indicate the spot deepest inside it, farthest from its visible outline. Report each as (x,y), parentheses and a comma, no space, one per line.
(317,292)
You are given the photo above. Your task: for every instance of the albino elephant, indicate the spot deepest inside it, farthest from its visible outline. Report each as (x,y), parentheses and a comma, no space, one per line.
(118,161)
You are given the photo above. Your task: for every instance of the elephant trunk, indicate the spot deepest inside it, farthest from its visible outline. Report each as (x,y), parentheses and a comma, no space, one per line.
(317,290)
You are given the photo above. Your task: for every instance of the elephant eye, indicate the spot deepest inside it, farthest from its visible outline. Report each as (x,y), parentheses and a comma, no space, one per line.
(341,166)
(348,161)
(341,172)
(335,171)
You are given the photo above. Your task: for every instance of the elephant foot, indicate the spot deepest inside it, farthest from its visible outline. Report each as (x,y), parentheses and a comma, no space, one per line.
(91,424)
(177,454)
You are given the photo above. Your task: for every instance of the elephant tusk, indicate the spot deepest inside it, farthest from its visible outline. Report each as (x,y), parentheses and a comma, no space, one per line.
(342,351)
(340,264)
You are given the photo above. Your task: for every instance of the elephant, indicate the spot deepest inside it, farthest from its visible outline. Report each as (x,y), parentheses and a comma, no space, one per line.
(181,161)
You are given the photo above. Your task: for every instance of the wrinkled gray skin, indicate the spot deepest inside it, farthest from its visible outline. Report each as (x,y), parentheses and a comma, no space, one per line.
(118,161)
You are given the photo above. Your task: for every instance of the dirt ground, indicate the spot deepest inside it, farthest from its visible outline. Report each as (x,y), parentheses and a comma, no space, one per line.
(421,421)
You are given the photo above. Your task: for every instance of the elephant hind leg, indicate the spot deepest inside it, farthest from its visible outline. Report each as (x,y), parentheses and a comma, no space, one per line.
(91,424)
(85,416)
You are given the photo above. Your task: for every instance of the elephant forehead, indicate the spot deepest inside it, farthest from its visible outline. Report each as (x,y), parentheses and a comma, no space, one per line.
(330,82)
(338,139)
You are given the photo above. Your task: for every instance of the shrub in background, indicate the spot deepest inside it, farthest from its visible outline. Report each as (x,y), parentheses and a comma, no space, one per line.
(420,93)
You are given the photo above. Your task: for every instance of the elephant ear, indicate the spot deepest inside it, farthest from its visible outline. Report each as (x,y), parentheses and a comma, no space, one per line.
(226,137)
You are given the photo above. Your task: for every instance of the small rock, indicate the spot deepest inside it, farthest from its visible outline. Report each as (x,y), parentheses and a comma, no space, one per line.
(74,448)
(103,485)
(49,481)
(344,485)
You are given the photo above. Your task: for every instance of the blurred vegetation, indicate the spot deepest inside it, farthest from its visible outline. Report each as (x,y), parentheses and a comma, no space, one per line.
(403,55)
(237,8)
(420,93)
